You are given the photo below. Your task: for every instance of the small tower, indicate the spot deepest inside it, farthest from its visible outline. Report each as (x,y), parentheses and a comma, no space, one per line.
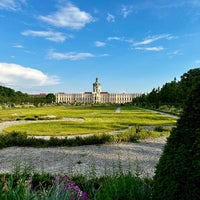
(96,94)
(97,86)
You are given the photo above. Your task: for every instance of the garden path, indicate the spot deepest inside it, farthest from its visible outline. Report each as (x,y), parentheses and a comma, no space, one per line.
(89,160)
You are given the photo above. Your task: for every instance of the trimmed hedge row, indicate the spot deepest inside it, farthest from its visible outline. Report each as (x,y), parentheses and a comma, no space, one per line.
(131,135)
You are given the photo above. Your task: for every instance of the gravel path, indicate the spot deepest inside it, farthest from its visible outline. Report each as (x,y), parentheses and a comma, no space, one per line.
(90,160)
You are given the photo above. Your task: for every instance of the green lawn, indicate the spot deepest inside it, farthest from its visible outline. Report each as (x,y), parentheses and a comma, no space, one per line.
(97,119)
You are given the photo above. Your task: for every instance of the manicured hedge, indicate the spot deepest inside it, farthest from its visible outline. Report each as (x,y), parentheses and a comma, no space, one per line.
(178,171)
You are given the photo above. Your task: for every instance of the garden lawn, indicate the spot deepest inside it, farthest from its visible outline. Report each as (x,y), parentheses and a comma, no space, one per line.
(97,119)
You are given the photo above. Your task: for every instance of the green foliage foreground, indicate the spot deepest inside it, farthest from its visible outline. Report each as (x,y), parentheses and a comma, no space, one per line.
(178,171)
(27,185)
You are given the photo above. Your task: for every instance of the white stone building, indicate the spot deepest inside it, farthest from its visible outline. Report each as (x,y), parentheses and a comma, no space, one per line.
(96,96)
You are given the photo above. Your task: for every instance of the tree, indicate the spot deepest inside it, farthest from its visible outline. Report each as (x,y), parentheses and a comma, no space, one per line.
(177,174)
(10,96)
(173,93)
(50,98)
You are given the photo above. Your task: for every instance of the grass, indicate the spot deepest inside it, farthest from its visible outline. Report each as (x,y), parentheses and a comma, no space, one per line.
(97,119)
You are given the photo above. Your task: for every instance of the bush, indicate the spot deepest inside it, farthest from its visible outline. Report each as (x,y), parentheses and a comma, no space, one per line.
(159,129)
(16,139)
(124,186)
(178,171)
(133,134)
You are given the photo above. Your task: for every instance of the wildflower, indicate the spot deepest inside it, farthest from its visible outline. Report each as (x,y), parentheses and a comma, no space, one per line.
(5,187)
(19,182)
(70,187)
(64,177)
(56,180)
(31,183)
(84,196)
(28,184)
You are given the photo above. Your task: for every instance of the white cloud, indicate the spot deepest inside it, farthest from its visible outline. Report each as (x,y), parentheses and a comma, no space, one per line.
(197,61)
(126,10)
(19,46)
(68,16)
(11,4)
(49,35)
(159,48)
(175,53)
(100,44)
(68,56)
(104,55)
(20,76)
(110,18)
(114,38)
(121,39)
(152,39)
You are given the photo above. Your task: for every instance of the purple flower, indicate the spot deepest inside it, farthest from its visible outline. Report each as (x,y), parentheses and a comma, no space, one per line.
(64,177)
(70,187)
(84,196)
(56,180)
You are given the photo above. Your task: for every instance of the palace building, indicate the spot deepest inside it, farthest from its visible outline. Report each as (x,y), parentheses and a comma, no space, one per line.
(96,96)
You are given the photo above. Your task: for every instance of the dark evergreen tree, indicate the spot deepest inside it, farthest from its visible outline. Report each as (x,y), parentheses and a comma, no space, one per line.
(173,93)
(50,98)
(8,95)
(178,171)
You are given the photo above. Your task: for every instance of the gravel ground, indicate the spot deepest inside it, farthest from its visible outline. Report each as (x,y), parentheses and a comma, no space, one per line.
(89,160)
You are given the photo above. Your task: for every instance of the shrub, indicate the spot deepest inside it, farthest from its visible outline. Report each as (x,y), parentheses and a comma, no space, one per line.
(30,119)
(159,129)
(178,171)
(124,186)
(131,135)
(16,139)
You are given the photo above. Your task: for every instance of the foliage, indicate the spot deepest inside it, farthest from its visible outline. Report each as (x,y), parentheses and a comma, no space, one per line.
(50,98)
(131,135)
(24,188)
(29,185)
(11,97)
(171,109)
(125,186)
(174,93)
(159,129)
(178,171)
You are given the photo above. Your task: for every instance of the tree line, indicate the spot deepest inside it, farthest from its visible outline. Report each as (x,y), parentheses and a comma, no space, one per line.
(173,93)
(10,96)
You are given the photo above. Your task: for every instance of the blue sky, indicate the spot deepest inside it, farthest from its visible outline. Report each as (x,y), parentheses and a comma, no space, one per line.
(130,45)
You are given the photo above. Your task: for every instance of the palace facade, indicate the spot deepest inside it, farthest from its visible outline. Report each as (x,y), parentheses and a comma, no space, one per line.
(96,96)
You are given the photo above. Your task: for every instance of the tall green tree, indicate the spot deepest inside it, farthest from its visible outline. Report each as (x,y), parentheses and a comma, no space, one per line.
(50,98)
(178,171)
(172,93)
(8,95)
